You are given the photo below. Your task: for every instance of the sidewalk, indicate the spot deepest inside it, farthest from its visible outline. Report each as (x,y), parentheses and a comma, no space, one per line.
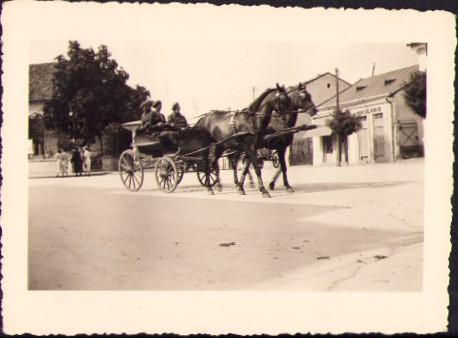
(47,175)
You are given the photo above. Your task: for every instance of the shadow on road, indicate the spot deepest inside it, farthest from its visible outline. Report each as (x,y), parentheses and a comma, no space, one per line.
(298,189)
(319,187)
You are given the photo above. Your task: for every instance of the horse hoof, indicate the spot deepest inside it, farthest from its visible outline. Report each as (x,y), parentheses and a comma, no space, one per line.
(210,192)
(219,187)
(289,189)
(271,185)
(241,192)
(252,185)
(265,195)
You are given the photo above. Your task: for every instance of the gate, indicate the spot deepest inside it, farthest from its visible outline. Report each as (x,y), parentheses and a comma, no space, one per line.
(301,152)
(408,139)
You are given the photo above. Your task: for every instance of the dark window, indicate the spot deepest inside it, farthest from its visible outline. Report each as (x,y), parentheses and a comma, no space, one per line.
(327,144)
(329,85)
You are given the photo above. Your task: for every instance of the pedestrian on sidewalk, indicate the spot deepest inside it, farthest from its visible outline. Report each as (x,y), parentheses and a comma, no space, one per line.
(65,161)
(59,163)
(76,161)
(87,161)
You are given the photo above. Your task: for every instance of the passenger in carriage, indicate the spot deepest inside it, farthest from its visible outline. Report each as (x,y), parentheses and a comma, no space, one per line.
(151,119)
(176,119)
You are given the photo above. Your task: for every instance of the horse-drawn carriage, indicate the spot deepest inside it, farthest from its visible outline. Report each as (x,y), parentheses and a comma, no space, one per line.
(269,122)
(170,153)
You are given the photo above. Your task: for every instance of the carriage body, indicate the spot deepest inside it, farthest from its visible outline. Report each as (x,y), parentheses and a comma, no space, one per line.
(170,153)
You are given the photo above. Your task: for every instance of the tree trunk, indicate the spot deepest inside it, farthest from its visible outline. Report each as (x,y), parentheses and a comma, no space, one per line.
(346,148)
(339,150)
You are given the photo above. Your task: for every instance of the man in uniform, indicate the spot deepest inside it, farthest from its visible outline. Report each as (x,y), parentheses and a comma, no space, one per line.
(151,117)
(176,118)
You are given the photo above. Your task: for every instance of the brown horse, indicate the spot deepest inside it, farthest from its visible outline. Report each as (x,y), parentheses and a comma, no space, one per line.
(301,102)
(238,132)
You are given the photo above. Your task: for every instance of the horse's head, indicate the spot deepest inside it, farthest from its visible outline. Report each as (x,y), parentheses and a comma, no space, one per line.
(282,102)
(272,104)
(302,100)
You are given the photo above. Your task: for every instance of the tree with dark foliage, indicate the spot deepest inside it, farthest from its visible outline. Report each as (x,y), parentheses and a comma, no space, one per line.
(415,93)
(36,128)
(90,92)
(343,123)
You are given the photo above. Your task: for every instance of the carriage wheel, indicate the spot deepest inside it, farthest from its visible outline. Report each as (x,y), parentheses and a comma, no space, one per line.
(167,176)
(201,175)
(275,160)
(131,170)
(180,170)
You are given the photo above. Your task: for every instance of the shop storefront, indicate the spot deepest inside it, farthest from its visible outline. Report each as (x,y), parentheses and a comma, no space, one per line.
(390,130)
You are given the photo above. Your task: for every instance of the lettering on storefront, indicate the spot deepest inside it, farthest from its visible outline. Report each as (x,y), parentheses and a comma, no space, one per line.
(368,111)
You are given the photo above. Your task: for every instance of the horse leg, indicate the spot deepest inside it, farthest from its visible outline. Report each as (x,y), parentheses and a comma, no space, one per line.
(245,171)
(274,179)
(234,158)
(250,176)
(252,158)
(281,156)
(217,154)
(206,160)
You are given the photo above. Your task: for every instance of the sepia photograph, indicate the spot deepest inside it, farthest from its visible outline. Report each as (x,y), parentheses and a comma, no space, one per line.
(180,164)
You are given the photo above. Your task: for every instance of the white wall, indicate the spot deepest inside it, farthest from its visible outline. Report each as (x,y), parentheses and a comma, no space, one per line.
(368,109)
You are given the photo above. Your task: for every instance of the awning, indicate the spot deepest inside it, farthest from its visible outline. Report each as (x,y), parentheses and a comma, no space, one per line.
(320,131)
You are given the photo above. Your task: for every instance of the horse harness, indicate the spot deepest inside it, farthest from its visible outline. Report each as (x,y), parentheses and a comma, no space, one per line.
(232,119)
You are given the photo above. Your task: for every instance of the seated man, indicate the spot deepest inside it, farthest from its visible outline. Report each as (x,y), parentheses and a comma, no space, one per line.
(176,119)
(151,119)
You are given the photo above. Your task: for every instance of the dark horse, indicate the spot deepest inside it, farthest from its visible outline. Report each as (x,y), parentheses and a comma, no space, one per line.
(301,102)
(238,132)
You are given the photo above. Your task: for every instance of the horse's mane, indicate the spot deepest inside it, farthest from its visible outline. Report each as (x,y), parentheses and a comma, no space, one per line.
(256,105)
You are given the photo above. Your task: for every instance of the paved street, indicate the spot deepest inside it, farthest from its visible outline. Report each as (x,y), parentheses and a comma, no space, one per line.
(356,228)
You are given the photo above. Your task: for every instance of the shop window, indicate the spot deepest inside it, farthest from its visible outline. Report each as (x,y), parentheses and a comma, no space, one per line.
(327,144)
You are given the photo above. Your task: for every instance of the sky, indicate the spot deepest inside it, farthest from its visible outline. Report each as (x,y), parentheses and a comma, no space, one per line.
(219,75)
(208,57)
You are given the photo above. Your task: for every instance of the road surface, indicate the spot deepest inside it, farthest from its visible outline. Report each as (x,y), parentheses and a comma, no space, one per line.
(356,228)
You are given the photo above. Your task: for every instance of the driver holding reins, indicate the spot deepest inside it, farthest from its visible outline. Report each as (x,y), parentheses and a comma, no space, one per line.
(175,118)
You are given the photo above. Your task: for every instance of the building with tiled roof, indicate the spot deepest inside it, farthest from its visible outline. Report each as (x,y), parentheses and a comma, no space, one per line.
(391,130)
(40,85)
(40,91)
(321,88)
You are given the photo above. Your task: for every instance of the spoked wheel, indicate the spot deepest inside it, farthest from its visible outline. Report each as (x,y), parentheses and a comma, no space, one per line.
(181,170)
(275,160)
(131,170)
(167,175)
(202,176)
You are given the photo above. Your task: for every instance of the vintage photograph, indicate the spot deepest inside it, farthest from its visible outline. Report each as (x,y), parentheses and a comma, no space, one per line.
(177,160)
(308,177)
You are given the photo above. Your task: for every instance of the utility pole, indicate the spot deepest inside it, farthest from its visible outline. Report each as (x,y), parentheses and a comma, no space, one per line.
(254,90)
(339,141)
(373,70)
(337,89)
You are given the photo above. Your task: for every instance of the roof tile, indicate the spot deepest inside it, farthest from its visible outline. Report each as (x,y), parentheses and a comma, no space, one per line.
(40,81)
(376,86)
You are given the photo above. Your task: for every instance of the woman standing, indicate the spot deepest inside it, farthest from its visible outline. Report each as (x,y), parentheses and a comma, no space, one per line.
(59,163)
(76,161)
(87,161)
